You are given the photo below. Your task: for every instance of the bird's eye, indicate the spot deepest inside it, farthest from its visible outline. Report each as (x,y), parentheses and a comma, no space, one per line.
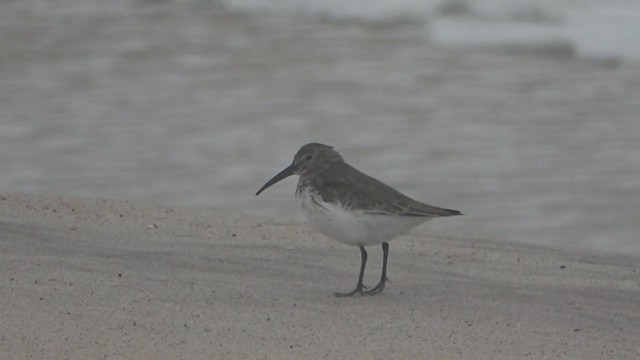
(308,157)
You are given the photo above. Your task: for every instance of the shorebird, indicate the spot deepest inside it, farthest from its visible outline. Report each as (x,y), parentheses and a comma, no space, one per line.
(351,207)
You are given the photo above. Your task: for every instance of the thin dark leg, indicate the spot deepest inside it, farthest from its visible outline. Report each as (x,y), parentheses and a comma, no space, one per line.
(383,278)
(359,287)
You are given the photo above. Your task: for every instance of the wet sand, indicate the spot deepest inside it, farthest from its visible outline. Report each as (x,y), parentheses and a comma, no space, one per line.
(88,278)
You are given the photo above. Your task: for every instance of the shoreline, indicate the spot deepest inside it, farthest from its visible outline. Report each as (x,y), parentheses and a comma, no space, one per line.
(89,278)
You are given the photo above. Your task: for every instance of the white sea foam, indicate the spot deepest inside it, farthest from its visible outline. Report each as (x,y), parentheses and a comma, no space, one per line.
(587,28)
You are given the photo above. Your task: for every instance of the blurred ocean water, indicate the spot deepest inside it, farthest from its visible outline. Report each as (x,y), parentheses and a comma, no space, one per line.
(522,114)
(591,29)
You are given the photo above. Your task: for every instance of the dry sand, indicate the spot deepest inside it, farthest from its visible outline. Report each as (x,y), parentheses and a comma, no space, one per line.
(106,279)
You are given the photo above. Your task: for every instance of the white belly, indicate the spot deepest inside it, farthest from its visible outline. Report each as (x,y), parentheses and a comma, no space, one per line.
(355,228)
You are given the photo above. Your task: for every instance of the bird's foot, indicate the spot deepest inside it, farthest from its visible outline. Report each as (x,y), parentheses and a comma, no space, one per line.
(376,289)
(358,290)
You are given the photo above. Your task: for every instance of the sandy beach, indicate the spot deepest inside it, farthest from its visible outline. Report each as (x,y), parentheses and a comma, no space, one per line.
(88,278)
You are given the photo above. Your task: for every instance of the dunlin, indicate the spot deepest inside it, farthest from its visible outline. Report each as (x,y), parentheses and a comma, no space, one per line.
(352,207)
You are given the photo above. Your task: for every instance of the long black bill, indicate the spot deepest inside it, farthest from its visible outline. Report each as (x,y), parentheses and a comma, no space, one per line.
(281,175)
